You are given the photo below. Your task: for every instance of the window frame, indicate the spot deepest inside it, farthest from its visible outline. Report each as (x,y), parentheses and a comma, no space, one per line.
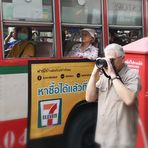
(24,61)
(84,25)
(127,27)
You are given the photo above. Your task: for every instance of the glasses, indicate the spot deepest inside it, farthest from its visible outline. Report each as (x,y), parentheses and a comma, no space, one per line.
(113,59)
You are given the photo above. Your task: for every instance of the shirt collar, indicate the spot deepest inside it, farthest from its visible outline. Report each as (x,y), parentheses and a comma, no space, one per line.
(88,48)
(123,70)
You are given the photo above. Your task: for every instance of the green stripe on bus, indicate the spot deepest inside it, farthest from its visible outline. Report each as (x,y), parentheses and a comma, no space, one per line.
(13,69)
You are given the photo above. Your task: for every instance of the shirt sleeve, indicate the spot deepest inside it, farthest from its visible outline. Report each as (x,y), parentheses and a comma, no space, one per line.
(133,81)
(99,82)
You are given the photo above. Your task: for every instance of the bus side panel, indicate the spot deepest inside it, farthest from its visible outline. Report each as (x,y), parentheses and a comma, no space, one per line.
(13,133)
(13,109)
(13,96)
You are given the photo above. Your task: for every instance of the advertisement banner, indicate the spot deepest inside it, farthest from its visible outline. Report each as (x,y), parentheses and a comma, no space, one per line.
(54,89)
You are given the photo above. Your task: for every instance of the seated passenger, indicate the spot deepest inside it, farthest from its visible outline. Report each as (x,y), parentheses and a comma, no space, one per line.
(24,46)
(85,49)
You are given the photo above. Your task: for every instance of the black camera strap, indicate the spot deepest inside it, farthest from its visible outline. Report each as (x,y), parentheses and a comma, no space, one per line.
(117,74)
(106,74)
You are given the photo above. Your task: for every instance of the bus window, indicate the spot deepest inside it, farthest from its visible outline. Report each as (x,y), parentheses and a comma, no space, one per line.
(131,12)
(39,17)
(72,36)
(44,42)
(128,28)
(81,14)
(88,12)
(124,36)
(38,10)
(41,38)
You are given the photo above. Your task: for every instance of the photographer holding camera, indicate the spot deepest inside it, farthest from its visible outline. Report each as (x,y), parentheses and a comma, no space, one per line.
(117,93)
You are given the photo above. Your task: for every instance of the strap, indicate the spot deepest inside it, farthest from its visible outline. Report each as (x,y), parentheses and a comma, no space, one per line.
(117,75)
(106,74)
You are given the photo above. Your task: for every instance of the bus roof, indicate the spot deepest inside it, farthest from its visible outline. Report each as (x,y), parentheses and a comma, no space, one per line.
(140,46)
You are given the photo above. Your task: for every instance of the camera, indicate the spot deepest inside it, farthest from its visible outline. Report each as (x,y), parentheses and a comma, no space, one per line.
(101,63)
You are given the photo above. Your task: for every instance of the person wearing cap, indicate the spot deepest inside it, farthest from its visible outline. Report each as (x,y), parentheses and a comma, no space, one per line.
(85,49)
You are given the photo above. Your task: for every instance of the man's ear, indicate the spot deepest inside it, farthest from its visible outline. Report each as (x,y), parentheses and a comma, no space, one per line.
(123,59)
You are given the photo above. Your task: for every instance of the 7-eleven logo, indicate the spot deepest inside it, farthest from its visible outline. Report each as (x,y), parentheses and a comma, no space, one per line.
(49,112)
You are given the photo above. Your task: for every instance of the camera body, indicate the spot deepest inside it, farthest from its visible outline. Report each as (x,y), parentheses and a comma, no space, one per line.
(101,63)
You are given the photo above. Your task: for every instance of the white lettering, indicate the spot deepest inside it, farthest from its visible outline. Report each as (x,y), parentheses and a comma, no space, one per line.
(139,63)
(9,139)
(126,6)
(23,138)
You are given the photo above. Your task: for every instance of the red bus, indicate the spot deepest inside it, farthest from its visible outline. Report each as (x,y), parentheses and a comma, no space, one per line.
(56,26)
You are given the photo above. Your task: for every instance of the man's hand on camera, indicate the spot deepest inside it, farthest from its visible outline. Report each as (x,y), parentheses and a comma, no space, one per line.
(110,69)
(95,70)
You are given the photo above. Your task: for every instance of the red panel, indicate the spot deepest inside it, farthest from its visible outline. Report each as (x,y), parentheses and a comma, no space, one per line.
(21,62)
(13,133)
(139,62)
(58,28)
(105,23)
(144,17)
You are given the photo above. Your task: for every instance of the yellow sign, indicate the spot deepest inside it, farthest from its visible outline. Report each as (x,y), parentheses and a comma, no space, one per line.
(55,89)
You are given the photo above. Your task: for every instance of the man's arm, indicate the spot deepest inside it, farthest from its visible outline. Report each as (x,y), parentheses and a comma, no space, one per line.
(8,38)
(91,93)
(125,94)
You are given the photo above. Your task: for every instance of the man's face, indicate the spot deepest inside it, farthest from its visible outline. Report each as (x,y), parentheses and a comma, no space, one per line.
(117,60)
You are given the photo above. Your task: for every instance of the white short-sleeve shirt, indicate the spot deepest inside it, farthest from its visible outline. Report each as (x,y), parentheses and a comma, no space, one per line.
(117,122)
(90,53)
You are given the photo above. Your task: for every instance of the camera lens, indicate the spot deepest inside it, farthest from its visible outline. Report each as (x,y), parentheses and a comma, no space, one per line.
(100,63)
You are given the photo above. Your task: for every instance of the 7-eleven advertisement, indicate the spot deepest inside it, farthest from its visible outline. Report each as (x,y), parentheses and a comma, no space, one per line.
(55,88)
(49,112)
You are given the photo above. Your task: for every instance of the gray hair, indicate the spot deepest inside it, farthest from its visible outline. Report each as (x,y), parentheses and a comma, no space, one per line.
(115,47)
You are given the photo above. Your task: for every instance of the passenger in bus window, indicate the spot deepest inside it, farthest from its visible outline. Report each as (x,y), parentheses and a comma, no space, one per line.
(24,46)
(116,93)
(35,36)
(10,39)
(85,49)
